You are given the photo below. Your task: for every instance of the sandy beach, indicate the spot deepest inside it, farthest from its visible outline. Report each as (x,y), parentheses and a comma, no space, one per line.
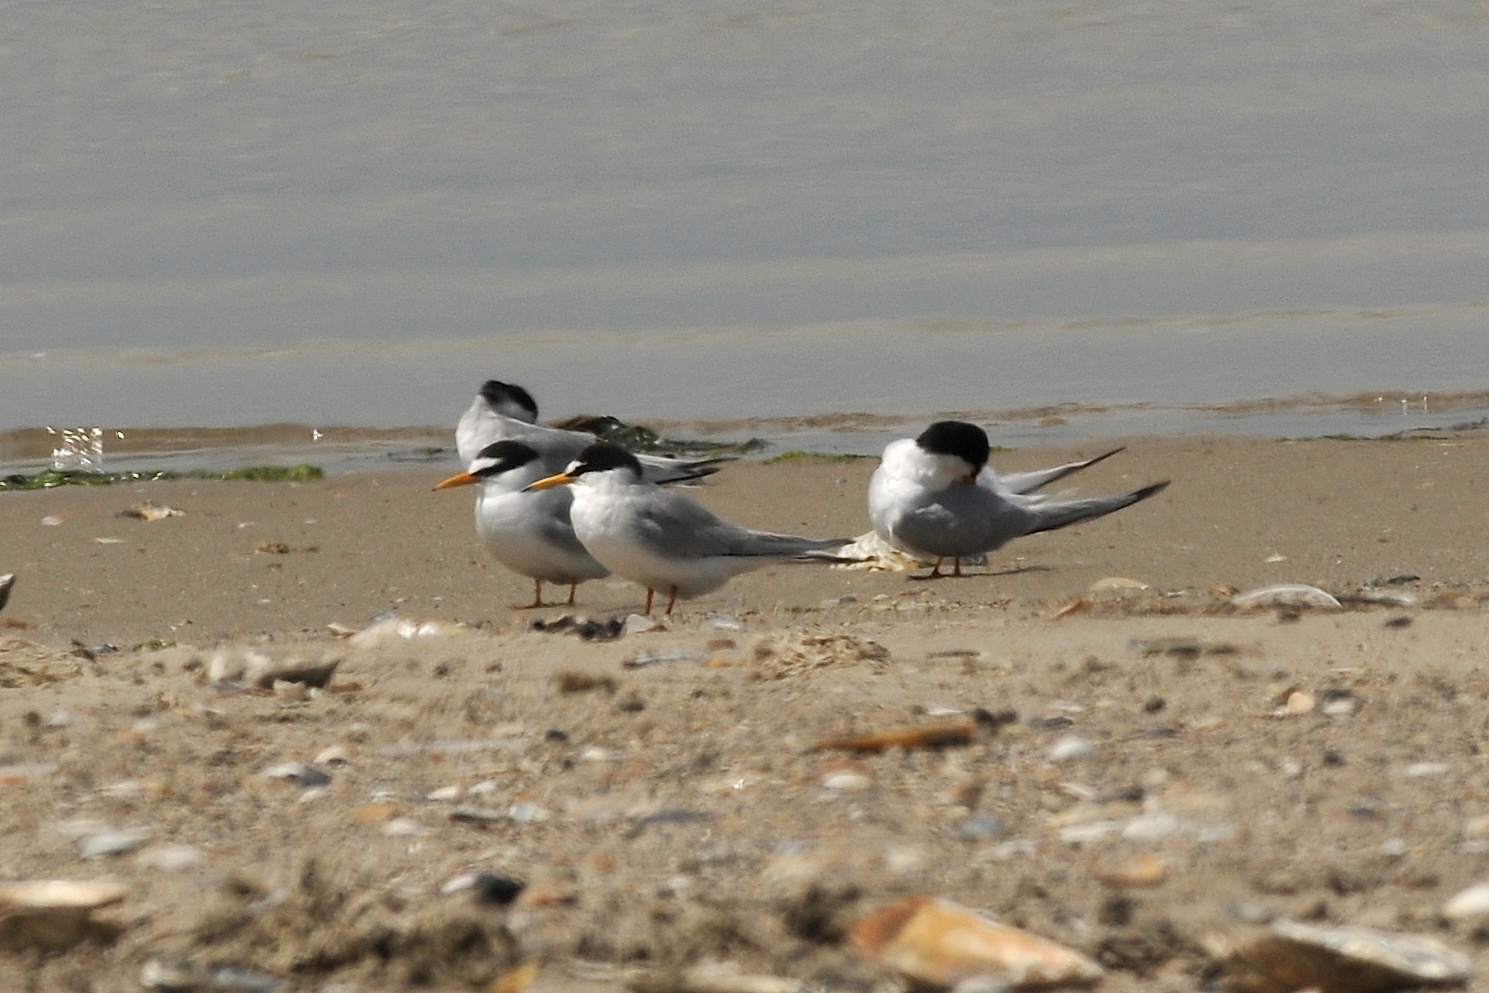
(1147,772)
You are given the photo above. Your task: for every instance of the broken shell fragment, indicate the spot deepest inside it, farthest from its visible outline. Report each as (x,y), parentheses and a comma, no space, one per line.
(53,913)
(148,511)
(1286,595)
(7,581)
(939,944)
(938,735)
(1295,956)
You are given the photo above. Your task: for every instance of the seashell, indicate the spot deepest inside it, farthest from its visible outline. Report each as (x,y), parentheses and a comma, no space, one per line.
(1286,595)
(937,943)
(148,511)
(1108,583)
(392,629)
(1293,956)
(52,913)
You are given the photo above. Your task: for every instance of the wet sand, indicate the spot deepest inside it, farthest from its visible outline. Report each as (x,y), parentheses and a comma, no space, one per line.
(676,813)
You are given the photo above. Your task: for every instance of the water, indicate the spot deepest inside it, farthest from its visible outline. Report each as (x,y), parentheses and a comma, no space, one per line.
(349,214)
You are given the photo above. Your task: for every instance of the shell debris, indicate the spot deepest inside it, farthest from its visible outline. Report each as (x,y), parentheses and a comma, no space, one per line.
(940,944)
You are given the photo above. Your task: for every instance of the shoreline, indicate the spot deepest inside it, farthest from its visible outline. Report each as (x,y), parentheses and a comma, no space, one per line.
(362,449)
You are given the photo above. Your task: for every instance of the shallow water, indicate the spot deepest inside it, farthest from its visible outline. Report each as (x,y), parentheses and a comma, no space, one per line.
(345,214)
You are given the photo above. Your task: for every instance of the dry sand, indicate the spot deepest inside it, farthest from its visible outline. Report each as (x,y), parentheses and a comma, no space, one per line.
(675,813)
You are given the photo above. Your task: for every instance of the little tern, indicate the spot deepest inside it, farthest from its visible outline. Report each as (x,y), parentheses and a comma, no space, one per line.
(662,539)
(934,496)
(503,411)
(528,532)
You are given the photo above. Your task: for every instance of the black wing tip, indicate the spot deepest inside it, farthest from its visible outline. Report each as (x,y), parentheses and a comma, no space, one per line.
(1151,490)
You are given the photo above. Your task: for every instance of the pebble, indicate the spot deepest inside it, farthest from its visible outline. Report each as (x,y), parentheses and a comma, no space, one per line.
(306,776)
(334,755)
(1151,827)
(1469,903)
(112,842)
(640,624)
(1071,748)
(1299,702)
(846,781)
(172,858)
(404,827)
(979,829)
(527,813)
(1418,769)
(444,794)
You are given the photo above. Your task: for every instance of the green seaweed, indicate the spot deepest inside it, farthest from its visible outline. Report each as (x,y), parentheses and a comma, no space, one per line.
(49,479)
(798,455)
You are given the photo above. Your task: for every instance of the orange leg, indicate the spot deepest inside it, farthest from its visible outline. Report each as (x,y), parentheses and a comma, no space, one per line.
(648,601)
(672,601)
(572,588)
(537,596)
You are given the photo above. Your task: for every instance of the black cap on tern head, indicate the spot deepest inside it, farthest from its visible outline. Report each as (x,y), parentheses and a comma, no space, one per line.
(967,442)
(514,401)
(602,455)
(505,455)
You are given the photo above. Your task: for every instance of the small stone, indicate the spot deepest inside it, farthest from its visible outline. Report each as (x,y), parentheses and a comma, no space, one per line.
(1466,904)
(1299,702)
(104,843)
(1419,769)
(1138,872)
(1071,748)
(847,781)
(640,624)
(500,891)
(172,858)
(1342,959)
(333,756)
(979,829)
(1151,827)
(444,794)
(404,827)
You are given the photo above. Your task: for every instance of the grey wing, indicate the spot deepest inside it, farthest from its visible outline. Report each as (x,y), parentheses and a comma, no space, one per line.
(1037,479)
(681,528)
(1053,514)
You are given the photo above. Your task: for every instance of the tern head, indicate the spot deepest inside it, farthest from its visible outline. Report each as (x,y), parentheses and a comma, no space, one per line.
(958,439)
(601,457)
(510,400)
(495,459)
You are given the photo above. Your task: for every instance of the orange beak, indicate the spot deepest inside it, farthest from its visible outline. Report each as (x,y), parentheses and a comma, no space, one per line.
(560,479)
(463,479)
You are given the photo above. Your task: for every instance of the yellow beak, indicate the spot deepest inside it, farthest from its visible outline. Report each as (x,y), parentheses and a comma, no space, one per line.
(560,479)
(464,479)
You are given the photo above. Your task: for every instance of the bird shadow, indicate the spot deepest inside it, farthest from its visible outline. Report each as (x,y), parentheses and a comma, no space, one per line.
(1015,571)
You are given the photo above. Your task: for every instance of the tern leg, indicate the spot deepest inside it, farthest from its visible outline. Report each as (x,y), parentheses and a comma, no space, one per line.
(935,569)
(672,601)
(956,568)
(573,587)
(649,592)
(537,596)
